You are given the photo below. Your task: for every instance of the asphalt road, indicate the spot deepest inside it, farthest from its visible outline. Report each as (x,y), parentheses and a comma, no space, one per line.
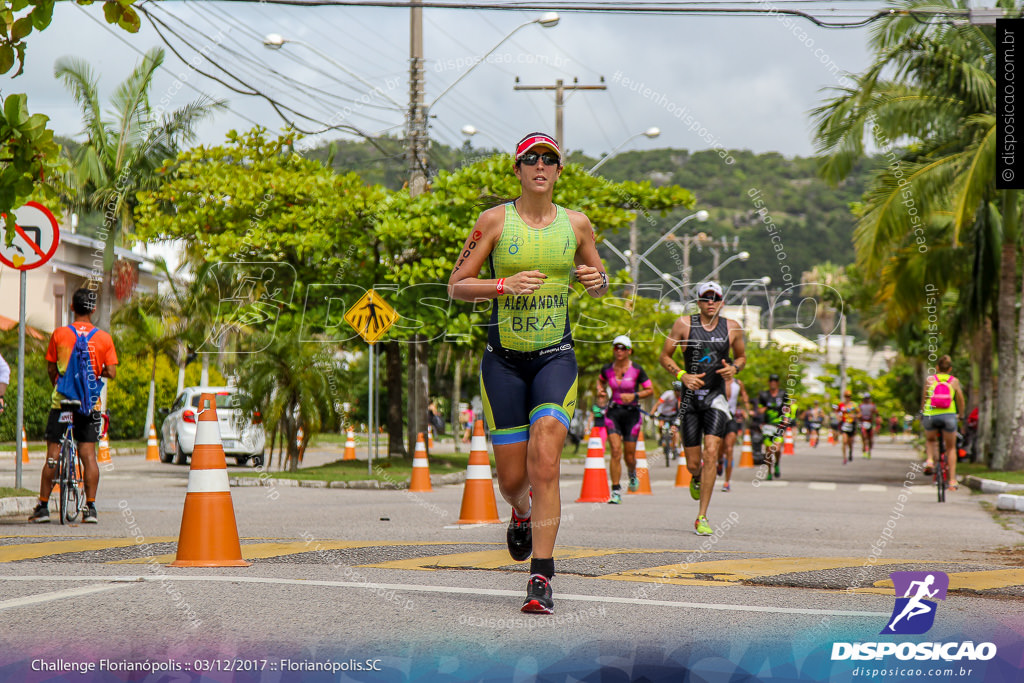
(386,581)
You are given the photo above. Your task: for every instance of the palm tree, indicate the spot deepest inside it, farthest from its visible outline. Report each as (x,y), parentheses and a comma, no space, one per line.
(822,283)
(289,382)
(122,155)
(936,189)
(143,320)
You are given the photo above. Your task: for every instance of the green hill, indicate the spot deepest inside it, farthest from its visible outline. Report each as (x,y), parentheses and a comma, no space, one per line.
(812,220)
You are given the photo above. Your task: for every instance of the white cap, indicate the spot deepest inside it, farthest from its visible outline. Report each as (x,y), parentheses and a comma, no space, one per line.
(706,287)
(624,340)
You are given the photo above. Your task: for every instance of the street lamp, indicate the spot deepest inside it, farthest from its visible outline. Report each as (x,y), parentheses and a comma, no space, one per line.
(651,132)
(275,41)
(771,316)
(743,295)
(742,256)
(547,20)
(701,216)
(469,131)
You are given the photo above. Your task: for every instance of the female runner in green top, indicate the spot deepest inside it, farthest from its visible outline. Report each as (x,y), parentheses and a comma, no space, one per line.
(528,373)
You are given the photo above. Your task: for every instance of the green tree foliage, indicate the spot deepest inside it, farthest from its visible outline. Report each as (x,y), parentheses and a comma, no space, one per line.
(301,236)
(17,27)
(38,393)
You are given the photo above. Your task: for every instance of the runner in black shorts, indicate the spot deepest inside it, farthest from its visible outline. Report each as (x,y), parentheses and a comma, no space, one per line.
(707,340)
(528,373)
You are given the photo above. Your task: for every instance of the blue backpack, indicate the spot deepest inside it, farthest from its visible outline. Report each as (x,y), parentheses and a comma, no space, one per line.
(79,382)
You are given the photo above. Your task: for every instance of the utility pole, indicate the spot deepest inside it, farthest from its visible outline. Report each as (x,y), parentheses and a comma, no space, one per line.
(559,87)
(416,153)
(416,126)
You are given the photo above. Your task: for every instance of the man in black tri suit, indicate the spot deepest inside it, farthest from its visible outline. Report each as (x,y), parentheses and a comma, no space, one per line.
(707,340)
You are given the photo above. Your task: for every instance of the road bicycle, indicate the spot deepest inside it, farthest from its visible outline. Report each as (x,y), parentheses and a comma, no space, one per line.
(70,473)
(665,440)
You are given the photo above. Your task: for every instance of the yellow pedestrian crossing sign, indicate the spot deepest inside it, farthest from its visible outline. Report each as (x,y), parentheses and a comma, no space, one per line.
(371,316)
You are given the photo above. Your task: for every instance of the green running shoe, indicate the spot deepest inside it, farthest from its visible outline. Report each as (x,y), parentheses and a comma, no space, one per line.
(695,488)
(701,527)
(615,499)
(634,484)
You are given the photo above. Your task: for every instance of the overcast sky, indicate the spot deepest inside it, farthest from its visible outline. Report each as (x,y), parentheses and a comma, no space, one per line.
(745,83)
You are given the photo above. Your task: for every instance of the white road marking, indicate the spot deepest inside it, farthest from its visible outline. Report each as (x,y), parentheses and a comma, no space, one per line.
(59,595)
(822,486)
(871,487)
(418,588)
(774,483)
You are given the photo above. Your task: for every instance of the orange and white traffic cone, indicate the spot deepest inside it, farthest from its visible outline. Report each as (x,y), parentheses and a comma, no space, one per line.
(595,477)
(479,505)
(298,438)
(350,446)
(209,535)
(683,475)
(787,442)
(430,436)
(831,439)
(746,452)
(643,474)
(103,452)
(420,480)
(152,450)
(24,447)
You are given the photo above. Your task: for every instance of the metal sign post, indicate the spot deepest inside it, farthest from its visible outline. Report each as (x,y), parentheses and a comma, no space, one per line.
(19,424)
(36,237)
(371,317)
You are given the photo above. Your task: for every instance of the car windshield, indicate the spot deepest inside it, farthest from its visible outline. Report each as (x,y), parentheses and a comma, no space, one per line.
(225,399)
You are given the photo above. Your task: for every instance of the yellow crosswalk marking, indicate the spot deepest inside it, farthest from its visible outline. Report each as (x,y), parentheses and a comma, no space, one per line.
(978,581)
(257,551)
(739,570)
(31,551)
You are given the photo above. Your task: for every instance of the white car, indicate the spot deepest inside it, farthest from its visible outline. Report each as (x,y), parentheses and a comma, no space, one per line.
(242,435)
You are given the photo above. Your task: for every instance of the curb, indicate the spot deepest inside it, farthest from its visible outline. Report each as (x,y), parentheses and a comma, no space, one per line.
(435,480)
(1008,501)
(12,507)
(992,486)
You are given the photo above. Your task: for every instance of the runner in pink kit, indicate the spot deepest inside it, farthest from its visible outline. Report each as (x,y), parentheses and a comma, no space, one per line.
(628,383)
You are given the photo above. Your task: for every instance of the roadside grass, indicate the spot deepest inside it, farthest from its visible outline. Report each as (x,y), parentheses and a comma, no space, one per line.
(384,469)
(11,492)
(980,470)
(40,446)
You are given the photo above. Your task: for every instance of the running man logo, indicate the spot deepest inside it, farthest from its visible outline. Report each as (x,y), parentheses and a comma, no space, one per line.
(913,614)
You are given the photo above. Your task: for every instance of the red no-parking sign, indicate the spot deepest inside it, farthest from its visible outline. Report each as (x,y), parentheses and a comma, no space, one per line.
(35,240)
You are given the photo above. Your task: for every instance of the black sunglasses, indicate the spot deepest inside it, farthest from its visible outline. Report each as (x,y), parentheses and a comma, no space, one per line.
(710,297)
(549,158)
(621,347)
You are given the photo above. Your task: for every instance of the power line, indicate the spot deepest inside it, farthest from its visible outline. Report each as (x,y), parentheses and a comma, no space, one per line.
(116,34)
(661,8)
(279,107)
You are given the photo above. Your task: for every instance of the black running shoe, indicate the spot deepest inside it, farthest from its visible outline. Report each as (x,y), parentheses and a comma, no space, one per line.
(519,537)
(89,514)
(41,514)
(538,596)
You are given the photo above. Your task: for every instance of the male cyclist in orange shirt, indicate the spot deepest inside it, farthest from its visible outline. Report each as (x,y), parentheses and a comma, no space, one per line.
(86,428)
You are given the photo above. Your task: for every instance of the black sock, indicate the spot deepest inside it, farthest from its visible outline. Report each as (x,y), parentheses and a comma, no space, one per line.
(545,568)
(616,487)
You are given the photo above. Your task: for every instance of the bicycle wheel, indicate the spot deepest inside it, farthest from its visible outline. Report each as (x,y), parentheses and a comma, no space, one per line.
(71,488)
(940,478)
